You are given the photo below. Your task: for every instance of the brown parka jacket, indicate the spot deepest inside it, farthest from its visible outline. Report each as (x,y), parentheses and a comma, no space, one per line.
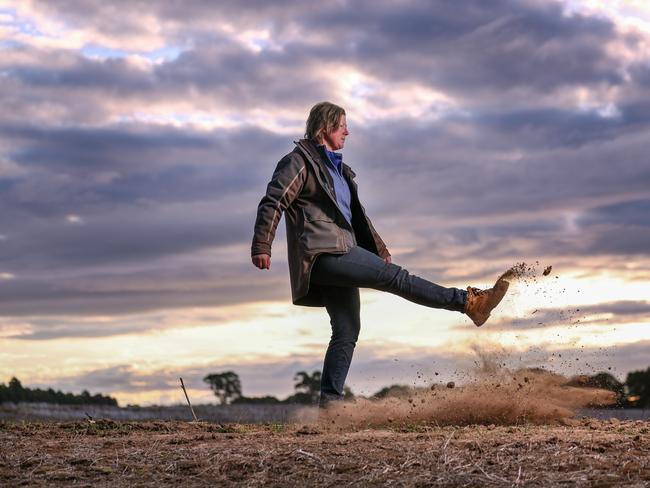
(302,188)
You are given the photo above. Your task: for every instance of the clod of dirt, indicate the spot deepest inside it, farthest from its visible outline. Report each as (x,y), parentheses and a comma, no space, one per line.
(519,270)
(451,384)
(307,430)
(523,271)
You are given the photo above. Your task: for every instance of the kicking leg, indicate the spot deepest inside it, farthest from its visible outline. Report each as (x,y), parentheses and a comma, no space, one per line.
(361,268)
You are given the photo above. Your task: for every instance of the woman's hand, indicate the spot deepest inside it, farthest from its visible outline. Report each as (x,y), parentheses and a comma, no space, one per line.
(388,259)
(262,261)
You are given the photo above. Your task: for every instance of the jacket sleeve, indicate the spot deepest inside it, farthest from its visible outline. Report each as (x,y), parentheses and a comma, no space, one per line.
(286,183)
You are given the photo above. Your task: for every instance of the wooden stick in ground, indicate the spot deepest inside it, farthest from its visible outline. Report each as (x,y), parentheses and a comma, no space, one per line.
(188,400)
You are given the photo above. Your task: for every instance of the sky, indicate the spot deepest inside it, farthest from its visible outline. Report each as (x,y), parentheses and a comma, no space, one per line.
(137,138)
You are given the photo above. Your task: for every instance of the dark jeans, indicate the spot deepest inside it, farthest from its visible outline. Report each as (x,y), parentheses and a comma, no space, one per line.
(340,276)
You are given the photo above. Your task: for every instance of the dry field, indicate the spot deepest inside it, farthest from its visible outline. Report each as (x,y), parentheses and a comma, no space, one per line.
(505,429)
(568,453)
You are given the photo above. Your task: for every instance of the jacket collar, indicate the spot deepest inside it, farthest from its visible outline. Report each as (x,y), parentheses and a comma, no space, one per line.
(312,148)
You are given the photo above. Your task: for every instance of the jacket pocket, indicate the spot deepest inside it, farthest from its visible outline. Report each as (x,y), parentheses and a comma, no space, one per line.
(320,232)
(315,214)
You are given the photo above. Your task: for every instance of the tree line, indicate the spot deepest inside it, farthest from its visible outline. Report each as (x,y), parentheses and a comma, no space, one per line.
(15,392)
(227,387)
(634,393)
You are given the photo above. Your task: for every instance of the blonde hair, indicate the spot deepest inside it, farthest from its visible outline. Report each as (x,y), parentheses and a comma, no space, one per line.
(323,118)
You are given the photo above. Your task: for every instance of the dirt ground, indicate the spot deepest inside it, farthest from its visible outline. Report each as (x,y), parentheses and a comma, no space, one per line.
(578,453)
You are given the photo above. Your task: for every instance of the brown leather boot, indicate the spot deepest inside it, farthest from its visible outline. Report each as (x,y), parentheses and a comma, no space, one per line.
(481,302)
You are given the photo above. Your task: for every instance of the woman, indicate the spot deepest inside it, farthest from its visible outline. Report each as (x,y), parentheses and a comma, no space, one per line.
(334,249)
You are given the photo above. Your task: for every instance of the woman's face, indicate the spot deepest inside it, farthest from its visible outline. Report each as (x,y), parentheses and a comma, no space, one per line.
(335,139)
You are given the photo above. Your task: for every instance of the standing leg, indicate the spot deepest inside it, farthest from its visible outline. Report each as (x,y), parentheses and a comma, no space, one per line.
(343,307)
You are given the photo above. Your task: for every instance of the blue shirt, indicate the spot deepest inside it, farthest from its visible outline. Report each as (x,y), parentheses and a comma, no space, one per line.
(341,188)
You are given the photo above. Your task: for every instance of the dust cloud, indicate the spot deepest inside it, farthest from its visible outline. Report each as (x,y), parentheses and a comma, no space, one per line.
(498,397)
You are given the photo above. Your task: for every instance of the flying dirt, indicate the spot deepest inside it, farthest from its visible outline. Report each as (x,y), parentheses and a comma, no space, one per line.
(526,396)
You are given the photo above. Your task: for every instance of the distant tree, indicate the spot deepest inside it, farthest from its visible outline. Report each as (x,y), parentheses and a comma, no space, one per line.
(306,383)
(537,371)
(301,397)
(638,385)
(226,386)
(603,381)
(307,387)
(392,391)
(16,390)
(265,400)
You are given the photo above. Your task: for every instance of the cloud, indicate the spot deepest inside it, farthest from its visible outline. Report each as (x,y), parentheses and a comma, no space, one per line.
(474,48)
(619,312)
(630,213)
(117,378)
(171,284)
